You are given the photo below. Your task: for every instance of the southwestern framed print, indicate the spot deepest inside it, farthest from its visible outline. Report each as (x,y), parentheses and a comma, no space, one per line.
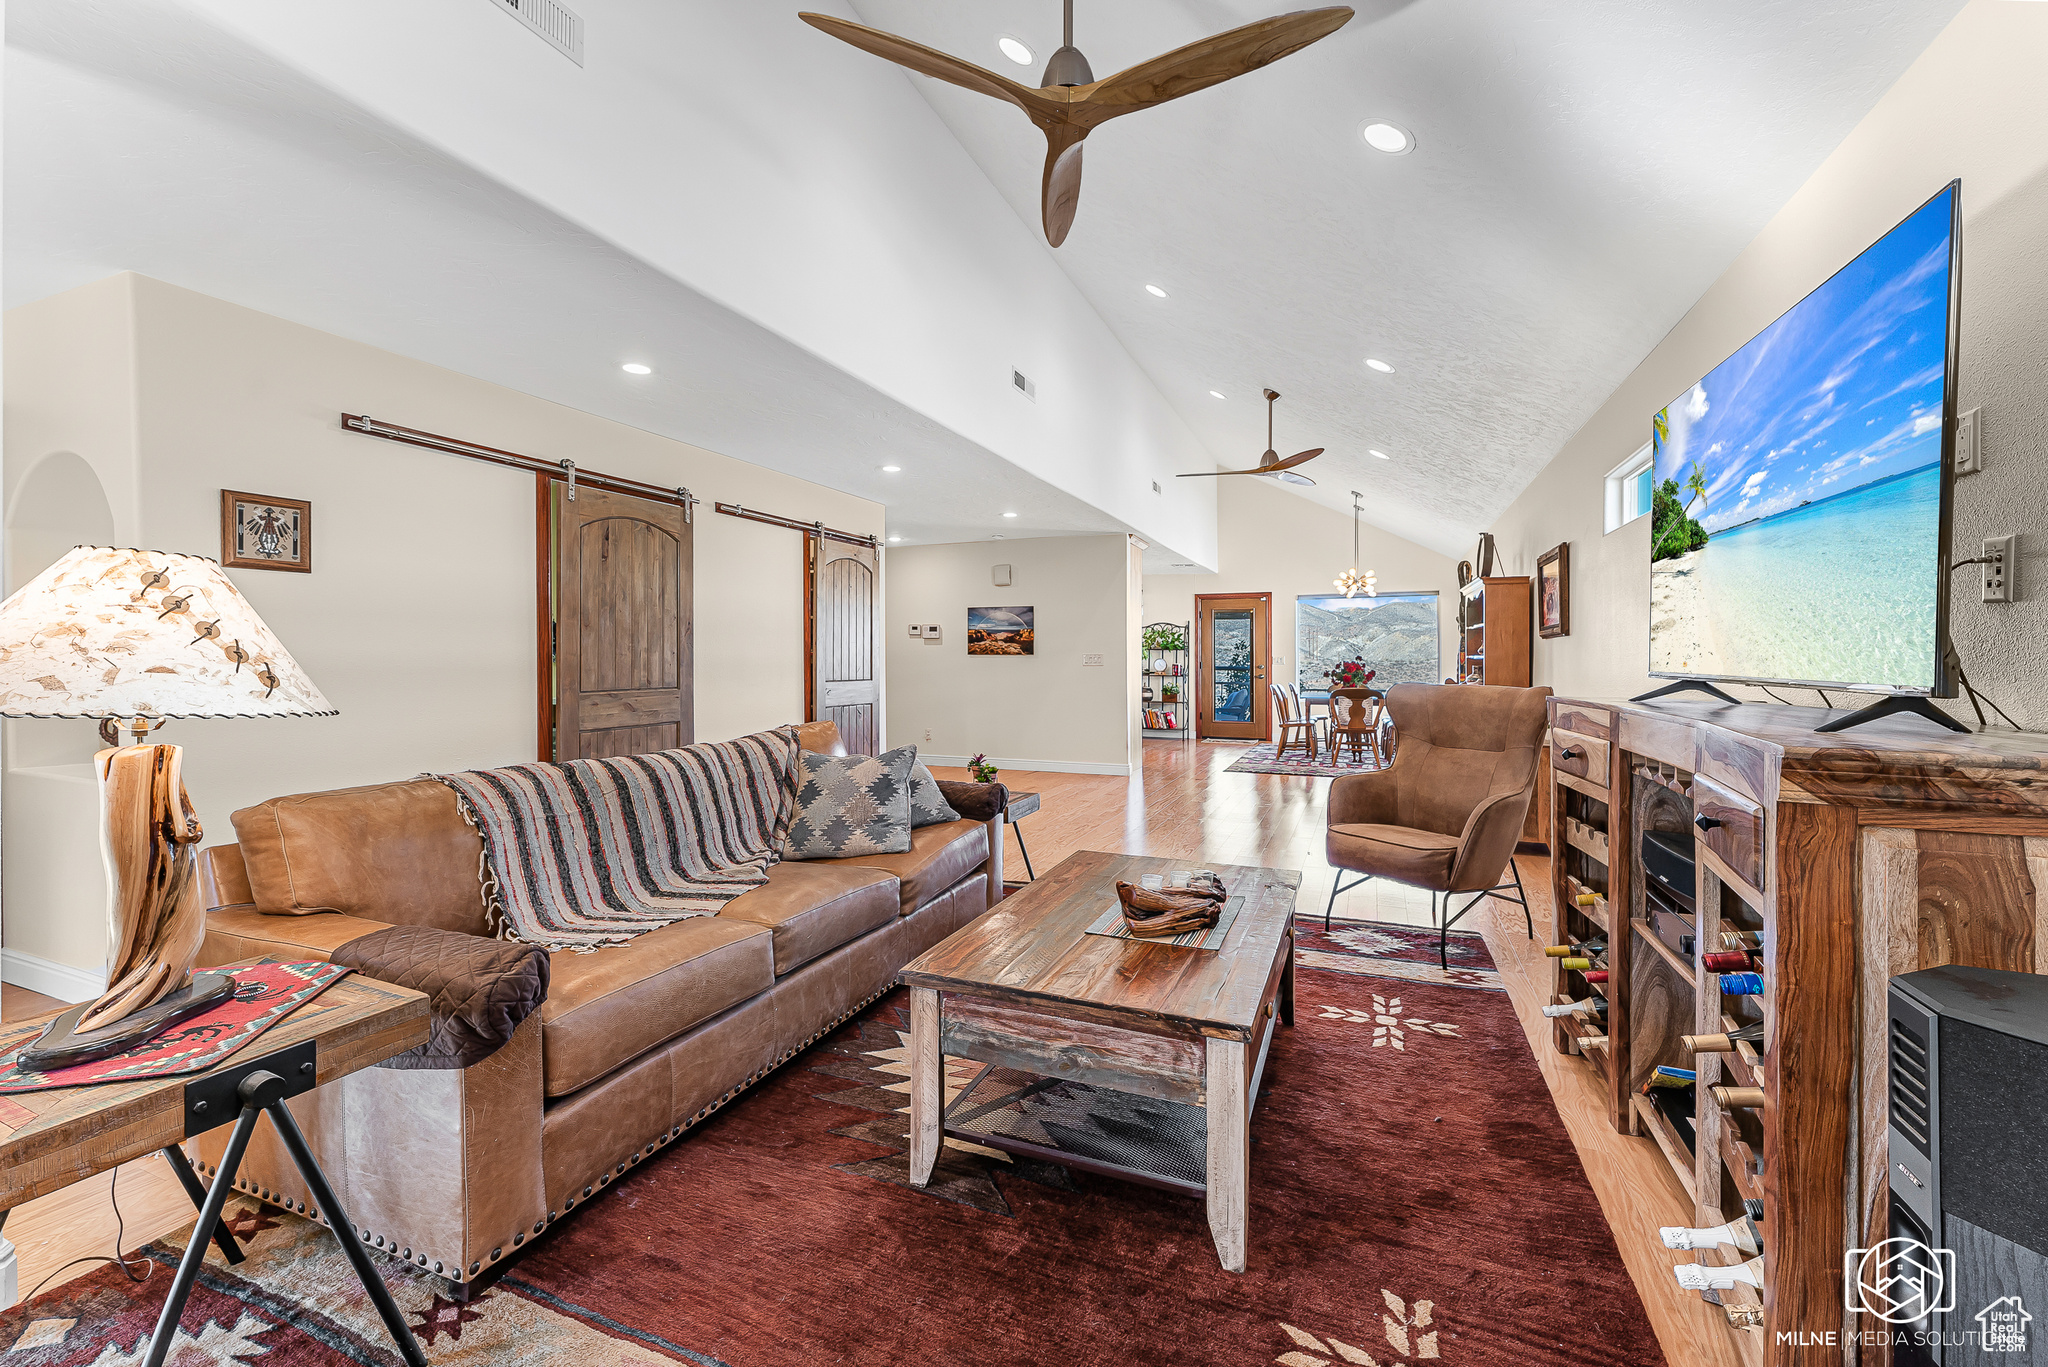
(1554,591)
(262,532)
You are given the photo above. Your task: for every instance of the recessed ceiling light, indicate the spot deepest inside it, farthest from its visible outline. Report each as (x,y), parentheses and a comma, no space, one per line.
(1009,514)
(1381,454)
(1016,49)
(1155,291)
(1390,138)
(1214,395)
(892,469)
(635,368)
(1374,363)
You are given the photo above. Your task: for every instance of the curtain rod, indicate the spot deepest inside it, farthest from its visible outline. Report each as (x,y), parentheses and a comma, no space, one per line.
(564,469)
(817,529)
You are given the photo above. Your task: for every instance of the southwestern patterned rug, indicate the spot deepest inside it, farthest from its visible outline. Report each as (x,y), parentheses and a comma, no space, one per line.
(1414,1200)
(1262,759)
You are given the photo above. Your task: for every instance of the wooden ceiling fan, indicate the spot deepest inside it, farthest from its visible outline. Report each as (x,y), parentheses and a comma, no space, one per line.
(1270,463)
(1070,102)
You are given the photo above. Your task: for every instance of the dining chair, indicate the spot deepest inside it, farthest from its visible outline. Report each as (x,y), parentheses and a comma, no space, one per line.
(1287,723)
(1446,814)
(1355,723)
(1304,710)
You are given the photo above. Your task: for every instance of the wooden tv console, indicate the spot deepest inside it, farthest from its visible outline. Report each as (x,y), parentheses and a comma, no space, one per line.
(1855,856)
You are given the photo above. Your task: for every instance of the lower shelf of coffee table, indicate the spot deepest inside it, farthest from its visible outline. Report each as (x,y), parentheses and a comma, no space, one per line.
(1133,1138)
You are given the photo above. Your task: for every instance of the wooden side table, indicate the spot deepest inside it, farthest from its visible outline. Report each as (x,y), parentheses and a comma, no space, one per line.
(71,1133)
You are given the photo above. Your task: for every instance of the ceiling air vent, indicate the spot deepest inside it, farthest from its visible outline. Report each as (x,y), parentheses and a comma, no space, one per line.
(561,27)
(1022,385)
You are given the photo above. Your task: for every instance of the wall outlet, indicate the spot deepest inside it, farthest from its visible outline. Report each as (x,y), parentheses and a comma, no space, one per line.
(2001,568)
(1969,446)
(927,734)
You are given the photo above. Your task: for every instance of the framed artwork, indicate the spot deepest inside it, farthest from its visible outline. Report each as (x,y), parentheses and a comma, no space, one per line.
(259,532)
(999,631)
(1554,591)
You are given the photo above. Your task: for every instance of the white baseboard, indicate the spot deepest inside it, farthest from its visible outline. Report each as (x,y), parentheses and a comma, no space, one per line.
(1028,766)
(52,979)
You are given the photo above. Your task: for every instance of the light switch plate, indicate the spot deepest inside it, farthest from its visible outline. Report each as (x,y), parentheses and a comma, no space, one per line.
(1969,444)
(1091,661)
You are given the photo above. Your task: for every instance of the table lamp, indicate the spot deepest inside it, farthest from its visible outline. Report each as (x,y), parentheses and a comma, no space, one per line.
(135,639)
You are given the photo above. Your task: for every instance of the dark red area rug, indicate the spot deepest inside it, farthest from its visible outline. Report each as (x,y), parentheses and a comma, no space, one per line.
(1414,1199)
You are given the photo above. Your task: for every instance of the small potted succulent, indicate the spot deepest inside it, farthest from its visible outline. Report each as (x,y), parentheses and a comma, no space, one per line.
(983,771)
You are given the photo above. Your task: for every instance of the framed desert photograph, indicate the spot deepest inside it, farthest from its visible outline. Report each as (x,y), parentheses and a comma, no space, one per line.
(999,631)
(261,532)
(1554,591)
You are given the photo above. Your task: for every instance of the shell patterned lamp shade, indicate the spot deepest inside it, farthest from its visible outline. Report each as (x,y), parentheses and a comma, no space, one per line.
(137,638)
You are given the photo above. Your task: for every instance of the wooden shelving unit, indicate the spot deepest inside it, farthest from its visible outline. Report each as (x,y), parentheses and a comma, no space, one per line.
(1851,857)
(1495,627)
(1161,670)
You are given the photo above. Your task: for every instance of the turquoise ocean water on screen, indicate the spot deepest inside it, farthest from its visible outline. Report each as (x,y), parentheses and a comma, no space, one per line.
(1838,590)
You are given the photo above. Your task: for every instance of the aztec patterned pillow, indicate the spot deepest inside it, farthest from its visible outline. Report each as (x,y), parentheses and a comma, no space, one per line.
(928,806)
(851,804)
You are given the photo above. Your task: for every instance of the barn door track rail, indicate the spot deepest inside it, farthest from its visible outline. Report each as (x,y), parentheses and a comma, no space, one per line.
(817,529)
(557,469)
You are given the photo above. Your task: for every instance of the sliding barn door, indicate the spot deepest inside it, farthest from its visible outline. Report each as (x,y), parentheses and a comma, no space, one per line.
(844,622)
(620,598)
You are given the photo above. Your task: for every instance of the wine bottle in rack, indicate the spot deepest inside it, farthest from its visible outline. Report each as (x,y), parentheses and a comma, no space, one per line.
(1596,975)
(1742,1234)
(1669,1077)
(1727,961)
(1738,1098)
(1592,949)
(1595,1007)
(1742,984)
(1723,1044)
(1741,939)
(1700,1277)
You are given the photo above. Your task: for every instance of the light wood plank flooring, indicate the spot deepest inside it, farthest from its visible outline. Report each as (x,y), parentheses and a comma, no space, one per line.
(1184,805)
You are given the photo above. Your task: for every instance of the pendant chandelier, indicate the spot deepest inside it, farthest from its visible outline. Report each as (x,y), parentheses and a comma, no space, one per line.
(1352,581)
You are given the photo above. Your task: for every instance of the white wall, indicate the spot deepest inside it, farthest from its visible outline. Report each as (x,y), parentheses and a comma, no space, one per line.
(1973,106)
(1269,541)
(1047,710)
(418,618)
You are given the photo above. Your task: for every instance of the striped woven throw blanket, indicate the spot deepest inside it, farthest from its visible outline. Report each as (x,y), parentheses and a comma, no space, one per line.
(596,851)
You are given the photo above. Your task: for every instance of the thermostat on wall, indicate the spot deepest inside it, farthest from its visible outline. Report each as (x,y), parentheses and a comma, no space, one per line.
(932,629)
(916,630)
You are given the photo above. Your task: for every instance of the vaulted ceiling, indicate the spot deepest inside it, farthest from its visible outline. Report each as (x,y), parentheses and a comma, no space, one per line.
(830,281)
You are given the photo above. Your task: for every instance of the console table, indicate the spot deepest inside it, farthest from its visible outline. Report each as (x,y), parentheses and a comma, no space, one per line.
(1849,857)
(50,1139)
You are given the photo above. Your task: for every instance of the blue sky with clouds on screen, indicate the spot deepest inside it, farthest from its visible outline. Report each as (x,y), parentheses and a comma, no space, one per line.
(1844,389)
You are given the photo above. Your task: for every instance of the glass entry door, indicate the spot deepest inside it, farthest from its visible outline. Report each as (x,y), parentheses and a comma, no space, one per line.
(1233,648)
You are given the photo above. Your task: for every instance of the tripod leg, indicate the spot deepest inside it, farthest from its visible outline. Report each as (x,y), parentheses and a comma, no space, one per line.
(337,1220)
(175,1155)
(1021,850)
(195,1251)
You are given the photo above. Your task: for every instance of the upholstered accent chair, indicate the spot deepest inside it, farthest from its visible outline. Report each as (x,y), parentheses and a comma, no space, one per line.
(1446,814)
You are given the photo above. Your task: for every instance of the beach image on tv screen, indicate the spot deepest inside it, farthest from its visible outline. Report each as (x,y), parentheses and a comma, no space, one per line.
(1796,518)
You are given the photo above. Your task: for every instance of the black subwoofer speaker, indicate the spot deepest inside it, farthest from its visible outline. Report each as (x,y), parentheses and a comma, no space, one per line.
(1968,1154)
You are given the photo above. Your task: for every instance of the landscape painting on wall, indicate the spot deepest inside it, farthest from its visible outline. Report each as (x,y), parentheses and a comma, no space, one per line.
(999,631)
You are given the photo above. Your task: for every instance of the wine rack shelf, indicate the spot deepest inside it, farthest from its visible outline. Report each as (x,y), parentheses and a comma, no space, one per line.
(1836,860)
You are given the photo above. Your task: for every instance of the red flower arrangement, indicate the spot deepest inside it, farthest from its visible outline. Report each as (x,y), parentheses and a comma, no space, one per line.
(1350,674)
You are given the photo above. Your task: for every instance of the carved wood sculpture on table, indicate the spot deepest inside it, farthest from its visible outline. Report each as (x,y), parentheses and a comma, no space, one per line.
(1070,103)
(135,638)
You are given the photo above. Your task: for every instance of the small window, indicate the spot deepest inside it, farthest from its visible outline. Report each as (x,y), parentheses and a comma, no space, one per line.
(1631,487)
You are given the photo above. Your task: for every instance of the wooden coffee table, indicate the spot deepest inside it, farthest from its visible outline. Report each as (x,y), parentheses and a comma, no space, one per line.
(1025,987)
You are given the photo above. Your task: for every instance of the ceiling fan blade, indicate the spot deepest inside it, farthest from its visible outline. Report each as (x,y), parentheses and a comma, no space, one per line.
(1210,61)
(927,61)
(1060,192)
(1298,458)
(1210,474)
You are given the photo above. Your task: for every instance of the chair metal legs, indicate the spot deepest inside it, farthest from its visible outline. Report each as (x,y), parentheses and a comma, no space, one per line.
(1497,890)
(1338,885)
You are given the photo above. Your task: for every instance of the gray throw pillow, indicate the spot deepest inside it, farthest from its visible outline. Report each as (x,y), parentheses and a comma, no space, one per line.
(850,805)
(928,806)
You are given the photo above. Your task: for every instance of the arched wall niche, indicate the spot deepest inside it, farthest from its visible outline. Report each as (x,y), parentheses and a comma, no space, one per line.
(59,503)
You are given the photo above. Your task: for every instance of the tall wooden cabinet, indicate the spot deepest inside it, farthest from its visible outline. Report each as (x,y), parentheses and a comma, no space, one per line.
(1493,642)
(1849,858)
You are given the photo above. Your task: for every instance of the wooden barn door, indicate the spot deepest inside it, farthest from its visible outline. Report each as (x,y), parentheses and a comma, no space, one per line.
(619,598)
(843,622)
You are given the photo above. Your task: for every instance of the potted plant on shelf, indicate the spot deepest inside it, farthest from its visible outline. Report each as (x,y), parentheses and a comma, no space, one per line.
(1170,692)
(1164,637)
(983,771)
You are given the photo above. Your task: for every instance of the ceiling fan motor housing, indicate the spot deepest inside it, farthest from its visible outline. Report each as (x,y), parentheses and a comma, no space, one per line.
(1067,67)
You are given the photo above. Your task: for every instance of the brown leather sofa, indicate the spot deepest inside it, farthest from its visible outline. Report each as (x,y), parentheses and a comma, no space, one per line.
(455,1170)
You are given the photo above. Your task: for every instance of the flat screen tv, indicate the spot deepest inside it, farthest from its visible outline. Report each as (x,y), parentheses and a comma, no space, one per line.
(1800,520)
